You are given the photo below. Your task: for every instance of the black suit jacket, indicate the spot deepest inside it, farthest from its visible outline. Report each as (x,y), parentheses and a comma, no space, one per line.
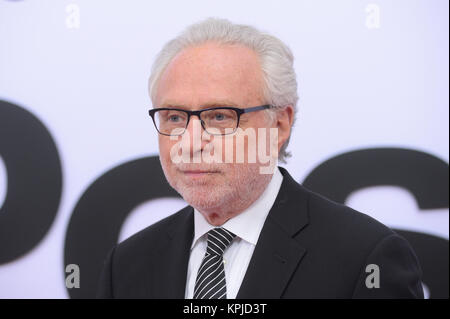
(309,247)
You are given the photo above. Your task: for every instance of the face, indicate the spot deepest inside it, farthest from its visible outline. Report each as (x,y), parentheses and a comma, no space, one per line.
(213,75)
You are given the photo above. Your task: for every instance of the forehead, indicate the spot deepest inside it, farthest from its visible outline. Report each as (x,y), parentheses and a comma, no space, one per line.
(211,72)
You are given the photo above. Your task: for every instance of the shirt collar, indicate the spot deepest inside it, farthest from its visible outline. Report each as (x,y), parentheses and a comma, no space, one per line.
(248,224)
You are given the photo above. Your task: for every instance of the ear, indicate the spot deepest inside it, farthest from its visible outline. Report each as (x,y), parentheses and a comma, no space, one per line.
(285,118)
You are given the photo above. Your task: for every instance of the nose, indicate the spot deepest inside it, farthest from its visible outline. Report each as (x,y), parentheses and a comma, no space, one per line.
(194,139)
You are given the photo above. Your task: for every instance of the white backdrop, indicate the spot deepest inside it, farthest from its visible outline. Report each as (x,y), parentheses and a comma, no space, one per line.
(370,73)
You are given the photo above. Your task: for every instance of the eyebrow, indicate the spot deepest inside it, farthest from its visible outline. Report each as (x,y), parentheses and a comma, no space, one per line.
(173,104)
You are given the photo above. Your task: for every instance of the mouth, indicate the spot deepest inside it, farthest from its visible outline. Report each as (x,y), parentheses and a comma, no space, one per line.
(199,173)
(194,172)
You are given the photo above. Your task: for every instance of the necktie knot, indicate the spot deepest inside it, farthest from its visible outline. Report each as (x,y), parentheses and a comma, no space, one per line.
(218,240)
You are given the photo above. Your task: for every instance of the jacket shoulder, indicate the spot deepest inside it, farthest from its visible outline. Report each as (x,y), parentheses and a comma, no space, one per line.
(153,234)
(339,219)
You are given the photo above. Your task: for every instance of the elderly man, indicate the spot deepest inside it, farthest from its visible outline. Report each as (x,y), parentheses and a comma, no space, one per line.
(222,93)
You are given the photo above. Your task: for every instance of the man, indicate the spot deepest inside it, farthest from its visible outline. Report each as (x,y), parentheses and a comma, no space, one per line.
(219,91)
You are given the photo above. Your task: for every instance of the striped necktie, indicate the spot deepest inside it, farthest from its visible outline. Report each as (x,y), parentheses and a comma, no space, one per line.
(210,282)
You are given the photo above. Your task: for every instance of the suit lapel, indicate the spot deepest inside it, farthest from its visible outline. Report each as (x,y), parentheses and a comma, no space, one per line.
(277,254)
(170,278)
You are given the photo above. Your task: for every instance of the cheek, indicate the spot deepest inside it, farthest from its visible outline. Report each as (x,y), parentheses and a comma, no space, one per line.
(165,145)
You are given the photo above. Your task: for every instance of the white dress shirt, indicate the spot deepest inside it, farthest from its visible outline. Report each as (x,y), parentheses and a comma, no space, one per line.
(246,226)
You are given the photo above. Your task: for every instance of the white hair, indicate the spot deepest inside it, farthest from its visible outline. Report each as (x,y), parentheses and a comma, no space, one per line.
(280,84)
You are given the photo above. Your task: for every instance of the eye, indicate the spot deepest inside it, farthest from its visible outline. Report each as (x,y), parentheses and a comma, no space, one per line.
(174,118)
(219,116)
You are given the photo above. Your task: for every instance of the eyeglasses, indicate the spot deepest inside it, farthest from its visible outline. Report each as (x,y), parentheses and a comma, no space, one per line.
(215,121)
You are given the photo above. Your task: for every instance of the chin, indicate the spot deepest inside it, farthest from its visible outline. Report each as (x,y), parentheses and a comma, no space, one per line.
(203,199)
